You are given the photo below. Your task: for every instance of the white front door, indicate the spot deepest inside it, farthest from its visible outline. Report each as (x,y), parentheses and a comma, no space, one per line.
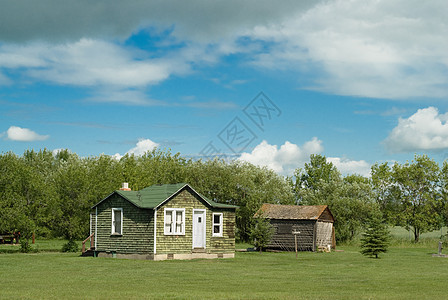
(199,228)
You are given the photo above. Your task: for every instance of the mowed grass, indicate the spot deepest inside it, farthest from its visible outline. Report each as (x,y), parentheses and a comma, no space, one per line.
(53,245)
(402,273)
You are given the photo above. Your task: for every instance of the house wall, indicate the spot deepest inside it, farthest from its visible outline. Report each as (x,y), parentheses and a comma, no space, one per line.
(324,234)
(182,244)
(283,239)
(326,216)
(138,228)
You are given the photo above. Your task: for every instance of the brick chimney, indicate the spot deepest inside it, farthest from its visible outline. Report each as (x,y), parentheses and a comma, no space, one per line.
(125,187)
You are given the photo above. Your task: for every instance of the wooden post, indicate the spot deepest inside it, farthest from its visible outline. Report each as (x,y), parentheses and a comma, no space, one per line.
(295,241)
(440,247)
(34,238)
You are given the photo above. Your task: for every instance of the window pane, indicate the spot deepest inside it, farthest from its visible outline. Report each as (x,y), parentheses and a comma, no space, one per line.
(178,221)
(118,227)
(117,221)
(168,221)
(216,229)
(217,219)
(179,216)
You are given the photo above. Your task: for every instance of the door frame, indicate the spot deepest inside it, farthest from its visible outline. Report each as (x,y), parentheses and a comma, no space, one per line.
(204,227)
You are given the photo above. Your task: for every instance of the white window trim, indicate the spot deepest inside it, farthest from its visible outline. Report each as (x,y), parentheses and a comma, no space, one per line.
(221,218)
(173,211)
(113,229)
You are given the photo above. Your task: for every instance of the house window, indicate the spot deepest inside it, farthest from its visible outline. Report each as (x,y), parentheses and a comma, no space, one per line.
(174,221)
(217,224)
(117,221)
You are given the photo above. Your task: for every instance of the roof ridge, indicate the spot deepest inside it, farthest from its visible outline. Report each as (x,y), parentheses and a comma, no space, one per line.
(156,195)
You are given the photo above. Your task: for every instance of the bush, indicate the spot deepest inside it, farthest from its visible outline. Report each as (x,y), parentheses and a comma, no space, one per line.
(261,233)
(70,246)
(25,246)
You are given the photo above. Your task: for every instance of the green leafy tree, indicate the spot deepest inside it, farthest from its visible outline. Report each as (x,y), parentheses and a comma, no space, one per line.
(386,192)
(350,199)
(241,184)
(376,238)
(315,173)
(72,184)
(261,233)
(419,194)
(444,192)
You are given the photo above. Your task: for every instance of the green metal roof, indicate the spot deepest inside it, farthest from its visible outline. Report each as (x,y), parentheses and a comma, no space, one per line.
(155,195)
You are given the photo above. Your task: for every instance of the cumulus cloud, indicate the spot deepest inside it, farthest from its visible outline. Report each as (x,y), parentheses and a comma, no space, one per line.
(284,159)
(383,49)
(15,133)
(288,157)
(143,146)
(376,48)
(347,166)
(424,130)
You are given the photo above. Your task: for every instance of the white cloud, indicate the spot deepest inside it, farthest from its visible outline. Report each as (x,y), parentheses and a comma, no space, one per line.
(15,133)
(376,48)
(143,146)
(424,130)
(346,166)
(385,49)
(89,63)
(288,157)
(283,160)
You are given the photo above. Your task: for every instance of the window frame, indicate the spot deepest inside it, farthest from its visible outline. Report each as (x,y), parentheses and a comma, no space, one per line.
(173,227)
(113,227)
(220,224)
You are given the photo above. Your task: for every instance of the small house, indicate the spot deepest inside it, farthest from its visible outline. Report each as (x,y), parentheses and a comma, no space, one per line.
(313,226)
(170,221)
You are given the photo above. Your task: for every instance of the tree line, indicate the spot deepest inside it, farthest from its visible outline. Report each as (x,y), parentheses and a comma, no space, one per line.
(51,194)
(412,195)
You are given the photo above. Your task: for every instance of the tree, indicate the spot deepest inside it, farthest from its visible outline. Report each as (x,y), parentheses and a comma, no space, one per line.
(444,191)
(261,233)
(242,184)
(376,238)
(386,192)
(72,186)
(314,174)
(350,199)
(419,194)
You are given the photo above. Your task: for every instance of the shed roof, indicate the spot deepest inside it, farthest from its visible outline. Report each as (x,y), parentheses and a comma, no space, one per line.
(155,195)
(291,212)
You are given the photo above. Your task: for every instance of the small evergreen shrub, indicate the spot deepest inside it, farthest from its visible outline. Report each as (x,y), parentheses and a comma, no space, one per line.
(376,239)
(70,246)
(261,233)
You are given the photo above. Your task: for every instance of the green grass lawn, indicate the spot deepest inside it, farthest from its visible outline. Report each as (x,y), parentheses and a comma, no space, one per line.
(401,233)
(402,273)
(53,245)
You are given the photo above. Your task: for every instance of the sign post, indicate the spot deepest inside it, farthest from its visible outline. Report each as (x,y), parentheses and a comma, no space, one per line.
(295,239)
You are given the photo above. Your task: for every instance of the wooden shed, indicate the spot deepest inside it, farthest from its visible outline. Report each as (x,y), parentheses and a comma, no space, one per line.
(315,224)
(170,221)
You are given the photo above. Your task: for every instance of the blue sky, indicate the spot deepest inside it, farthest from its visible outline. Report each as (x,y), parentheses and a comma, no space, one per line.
(357,81)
